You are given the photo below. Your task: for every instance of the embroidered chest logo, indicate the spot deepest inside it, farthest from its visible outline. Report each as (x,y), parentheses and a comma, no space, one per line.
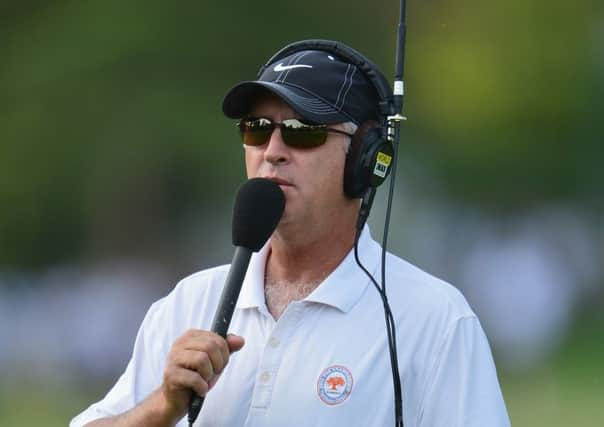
(334,384)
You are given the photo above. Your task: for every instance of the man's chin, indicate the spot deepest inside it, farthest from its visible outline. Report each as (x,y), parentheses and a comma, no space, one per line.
(288,219)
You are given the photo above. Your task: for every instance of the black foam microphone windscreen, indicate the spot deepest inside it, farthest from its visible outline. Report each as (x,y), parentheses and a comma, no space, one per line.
(258,208)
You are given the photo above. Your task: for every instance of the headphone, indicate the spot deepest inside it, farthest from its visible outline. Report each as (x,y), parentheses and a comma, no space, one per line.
(371,151)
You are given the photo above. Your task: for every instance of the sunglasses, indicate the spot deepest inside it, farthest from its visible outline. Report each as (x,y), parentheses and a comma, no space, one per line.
(295,133)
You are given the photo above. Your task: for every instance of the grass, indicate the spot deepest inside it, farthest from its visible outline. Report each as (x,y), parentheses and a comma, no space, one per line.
(40,405)
(566,391)
(544,399)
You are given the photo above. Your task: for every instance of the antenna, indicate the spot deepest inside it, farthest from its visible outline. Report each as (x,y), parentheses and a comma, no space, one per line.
(399,66)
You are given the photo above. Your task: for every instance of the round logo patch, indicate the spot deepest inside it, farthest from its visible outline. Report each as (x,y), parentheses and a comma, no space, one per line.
(334,384)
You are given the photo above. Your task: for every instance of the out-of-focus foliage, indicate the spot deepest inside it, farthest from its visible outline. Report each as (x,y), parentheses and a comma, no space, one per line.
(111,132)
(512,94)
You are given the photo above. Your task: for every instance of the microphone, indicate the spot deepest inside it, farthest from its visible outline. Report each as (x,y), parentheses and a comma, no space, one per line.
(258,208)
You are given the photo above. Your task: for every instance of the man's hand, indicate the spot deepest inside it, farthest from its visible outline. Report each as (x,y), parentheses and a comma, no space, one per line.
(194,363)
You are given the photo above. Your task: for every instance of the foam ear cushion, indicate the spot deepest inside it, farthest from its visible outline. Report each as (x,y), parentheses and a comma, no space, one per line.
(361,159)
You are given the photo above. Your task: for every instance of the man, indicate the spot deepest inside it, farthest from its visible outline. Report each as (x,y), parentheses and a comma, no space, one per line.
(309,344)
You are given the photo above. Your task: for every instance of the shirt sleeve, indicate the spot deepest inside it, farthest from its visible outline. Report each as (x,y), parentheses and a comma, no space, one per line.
(143,374)
(463,389)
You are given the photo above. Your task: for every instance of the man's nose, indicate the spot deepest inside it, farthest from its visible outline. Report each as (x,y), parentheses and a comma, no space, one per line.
(276,151)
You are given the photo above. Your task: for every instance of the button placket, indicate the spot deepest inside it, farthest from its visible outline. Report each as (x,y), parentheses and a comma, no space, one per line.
(272,356)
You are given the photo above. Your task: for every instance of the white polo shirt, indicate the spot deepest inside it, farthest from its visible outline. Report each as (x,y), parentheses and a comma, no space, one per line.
(325,362)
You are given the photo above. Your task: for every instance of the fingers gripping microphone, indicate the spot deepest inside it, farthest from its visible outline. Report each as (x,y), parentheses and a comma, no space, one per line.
(258,208)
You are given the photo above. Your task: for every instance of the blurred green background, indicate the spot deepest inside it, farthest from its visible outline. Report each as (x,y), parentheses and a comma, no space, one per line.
(115,156)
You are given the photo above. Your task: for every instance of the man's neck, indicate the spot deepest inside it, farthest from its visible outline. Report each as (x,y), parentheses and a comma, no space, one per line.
(311,255)
(298,263)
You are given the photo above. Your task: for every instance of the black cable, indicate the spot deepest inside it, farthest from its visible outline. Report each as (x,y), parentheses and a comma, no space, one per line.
(390,329)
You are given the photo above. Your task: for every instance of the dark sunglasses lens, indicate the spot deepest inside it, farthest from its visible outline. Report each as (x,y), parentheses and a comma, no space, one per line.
(255,132)
(299,135)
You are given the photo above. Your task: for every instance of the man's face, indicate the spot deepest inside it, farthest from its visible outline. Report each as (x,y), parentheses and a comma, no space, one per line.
(311,179)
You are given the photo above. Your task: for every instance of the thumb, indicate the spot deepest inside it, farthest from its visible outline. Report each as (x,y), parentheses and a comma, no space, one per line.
(235,342)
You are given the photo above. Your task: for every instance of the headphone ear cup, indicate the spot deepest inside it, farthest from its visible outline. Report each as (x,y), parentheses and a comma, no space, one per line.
(368,160)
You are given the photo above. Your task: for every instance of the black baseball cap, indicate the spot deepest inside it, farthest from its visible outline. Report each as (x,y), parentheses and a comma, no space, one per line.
(319,85)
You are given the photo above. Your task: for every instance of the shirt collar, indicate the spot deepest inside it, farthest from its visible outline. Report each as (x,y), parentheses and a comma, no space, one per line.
(345,285)
(341,289)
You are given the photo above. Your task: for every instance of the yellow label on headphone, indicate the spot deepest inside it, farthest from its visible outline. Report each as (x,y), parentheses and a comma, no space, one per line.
(384,158)
(382,163)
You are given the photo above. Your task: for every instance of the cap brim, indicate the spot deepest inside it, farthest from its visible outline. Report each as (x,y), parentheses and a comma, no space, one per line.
(240,100)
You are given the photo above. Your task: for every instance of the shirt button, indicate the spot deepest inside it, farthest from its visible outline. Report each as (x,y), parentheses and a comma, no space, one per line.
(265,377)
(274,342)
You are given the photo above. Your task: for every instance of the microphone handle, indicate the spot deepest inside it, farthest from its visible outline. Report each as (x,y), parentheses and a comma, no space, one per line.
(230,293)
(224,312)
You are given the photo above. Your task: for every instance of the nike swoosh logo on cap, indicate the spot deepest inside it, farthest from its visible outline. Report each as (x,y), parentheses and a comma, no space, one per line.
(280,67)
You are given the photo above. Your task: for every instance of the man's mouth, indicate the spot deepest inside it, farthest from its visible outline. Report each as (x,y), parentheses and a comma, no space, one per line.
(278,181)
